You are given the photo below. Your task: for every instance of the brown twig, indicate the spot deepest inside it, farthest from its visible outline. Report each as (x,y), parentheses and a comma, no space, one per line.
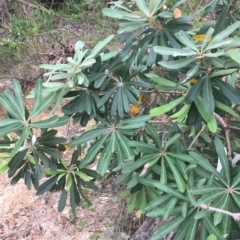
(230,116)
(199,133)
(235,216)
(232,3)
(161,91)
(234,128)
(227,133)
(198,6)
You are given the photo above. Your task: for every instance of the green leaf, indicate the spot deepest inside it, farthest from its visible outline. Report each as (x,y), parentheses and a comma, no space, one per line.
(6,122)
(210,119)
(234,55)
(226,108)
(9,107)
(144,147)
(83,176)
(22,138)
(107,56)
(3,166)
(141,201)
(169,207)
(16,162)
(167,107)
(105,158)
(133,123)
(45,103)
(142,6)
(224,72)
(163,175)
(171,141)
(192,71)
(192,230)
(221,21)
(73,199)
(212,229)
(186,40)
(154,203)
(201,214)
(212,123)
(51,152)
(93,151)
(46,186)
(167,227)
(48,123)
(206,189)
(222,156)
(165,15)
(87,136)
(129,26)
(113,13)
(173,51)
(100,45)
(212,237)
(177,176)
(140,162)
(224,205)
(230,92)
(88,63)
(69,182)
(62,200)
(153,133)
(53,172)
(236,180)
(208,99)
(166,83)
(15,105)
(10,128)
(19,98)
(225,33)
(124,142)
(183,230)
(180,156)
(133,203)
(194,91)
(61,121)
(170,191)
(203,162)
(184,209)
(177,64)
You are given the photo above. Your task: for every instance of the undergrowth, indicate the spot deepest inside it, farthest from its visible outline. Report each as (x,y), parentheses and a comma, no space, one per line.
(36,31)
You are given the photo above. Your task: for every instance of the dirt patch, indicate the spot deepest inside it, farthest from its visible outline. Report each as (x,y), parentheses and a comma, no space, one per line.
(27,216)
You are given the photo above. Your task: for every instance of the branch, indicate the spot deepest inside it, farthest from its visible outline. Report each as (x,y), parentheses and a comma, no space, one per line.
(234,128)
(161,91)
(203,128)
(33,5)
(232,3)
(235,216)
(230,116)
(227,133)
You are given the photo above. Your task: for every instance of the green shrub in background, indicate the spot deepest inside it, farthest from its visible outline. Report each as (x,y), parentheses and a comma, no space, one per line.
(185,170)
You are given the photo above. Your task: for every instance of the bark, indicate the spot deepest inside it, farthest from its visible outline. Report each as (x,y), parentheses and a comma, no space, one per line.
(148,228)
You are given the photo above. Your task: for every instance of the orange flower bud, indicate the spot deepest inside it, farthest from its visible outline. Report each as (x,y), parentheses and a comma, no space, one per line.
(177,13)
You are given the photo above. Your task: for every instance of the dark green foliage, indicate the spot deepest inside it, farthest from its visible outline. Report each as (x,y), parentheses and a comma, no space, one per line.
(186,168)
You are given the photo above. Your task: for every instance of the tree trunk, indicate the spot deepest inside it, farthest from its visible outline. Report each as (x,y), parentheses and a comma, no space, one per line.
(148,228)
